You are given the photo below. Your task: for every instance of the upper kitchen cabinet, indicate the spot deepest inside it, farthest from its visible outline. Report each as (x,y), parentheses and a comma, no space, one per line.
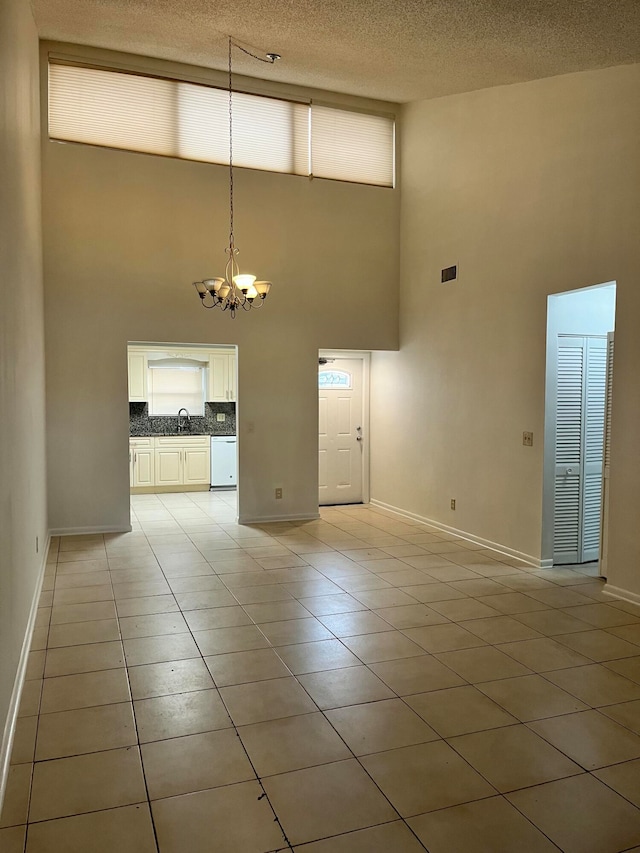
(222,376)
(137,377)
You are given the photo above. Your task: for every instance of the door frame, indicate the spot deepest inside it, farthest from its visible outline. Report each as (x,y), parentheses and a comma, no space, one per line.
(365,357)
(550,417)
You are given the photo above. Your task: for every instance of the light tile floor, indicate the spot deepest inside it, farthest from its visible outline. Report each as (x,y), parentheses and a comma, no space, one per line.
(356,684)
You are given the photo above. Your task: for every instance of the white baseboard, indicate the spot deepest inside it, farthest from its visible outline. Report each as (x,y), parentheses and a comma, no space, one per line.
(265,519)
(16,693)
(85,531)
(463,534)
(622,594)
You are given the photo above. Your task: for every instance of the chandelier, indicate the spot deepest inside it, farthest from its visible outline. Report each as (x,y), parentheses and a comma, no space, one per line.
(235,290)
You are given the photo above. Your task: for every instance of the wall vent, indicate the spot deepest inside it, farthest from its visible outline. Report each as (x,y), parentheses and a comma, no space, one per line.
(449,274)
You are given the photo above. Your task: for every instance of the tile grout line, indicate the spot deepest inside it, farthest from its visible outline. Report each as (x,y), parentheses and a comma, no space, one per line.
(134,716)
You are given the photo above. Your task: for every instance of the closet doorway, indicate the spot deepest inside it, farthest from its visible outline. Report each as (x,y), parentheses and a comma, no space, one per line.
(578,323)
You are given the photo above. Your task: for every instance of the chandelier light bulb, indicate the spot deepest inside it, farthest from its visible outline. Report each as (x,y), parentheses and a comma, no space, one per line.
(244,282)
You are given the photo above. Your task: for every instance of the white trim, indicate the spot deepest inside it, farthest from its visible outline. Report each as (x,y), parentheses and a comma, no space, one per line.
(16,694)
(622,594)
(263,519)
(462,534)
(81,531)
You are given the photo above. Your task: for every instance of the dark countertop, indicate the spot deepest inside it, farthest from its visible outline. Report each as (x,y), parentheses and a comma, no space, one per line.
(182,434)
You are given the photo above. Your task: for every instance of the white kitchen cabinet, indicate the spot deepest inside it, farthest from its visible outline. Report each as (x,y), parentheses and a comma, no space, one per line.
(137,376)
(218,391)
(233,377)
(182,460)
(196,466)
(141,462)
(222,376)
(168,463)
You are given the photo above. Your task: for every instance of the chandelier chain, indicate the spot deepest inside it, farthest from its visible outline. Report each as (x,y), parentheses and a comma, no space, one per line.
(231,244)
(234,291)
(269,60)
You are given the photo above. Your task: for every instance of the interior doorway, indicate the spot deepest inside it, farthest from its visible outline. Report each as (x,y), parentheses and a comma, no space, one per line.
(182,418)
(343,428)
(578,323)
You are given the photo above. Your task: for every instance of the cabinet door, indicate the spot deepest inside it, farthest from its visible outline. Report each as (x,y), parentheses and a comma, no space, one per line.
(143,473)
(233,379)
(168,466)
(196,470)
(218,391)
(137,377)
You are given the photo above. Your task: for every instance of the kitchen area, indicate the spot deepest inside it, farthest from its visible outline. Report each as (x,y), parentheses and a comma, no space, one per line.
(182,418)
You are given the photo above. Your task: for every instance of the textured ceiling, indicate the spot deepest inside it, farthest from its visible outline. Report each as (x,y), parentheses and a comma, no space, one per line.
(397,50)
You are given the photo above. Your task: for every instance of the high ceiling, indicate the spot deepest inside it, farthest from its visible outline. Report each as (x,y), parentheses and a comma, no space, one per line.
(397,50)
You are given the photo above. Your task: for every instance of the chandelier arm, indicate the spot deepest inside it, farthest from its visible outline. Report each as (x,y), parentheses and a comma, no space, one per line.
(214,300)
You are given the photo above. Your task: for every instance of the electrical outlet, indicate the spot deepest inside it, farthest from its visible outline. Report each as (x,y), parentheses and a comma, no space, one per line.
(453,503)
(220,417)
(278,494)
(527,439)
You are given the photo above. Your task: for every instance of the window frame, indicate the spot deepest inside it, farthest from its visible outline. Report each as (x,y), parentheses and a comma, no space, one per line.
(58,60)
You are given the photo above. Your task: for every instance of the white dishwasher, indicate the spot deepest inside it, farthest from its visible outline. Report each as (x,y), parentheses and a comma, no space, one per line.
(224,463)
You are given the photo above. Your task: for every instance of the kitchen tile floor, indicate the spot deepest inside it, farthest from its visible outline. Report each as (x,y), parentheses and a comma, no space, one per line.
(357,684)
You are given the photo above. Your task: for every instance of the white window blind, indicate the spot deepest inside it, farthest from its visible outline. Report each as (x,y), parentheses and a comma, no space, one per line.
(169,117)
(350,146)
(174,388)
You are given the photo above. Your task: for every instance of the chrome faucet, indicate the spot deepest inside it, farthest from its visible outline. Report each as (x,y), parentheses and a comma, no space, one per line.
(181,423)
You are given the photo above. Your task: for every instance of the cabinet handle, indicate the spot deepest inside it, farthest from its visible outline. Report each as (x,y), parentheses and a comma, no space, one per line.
(135,457)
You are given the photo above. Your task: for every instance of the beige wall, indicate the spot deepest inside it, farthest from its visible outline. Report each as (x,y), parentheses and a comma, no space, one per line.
(22,461)
(125,235)
(532,189)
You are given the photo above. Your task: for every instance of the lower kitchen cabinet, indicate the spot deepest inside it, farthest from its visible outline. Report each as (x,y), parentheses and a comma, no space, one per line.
(168,466)
(141,463)
(196,467)
(170,462)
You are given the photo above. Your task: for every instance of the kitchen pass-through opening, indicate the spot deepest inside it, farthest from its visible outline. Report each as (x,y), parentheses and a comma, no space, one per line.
(182,418)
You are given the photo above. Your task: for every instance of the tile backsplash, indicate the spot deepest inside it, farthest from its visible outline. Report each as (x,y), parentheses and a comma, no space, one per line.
(140,423)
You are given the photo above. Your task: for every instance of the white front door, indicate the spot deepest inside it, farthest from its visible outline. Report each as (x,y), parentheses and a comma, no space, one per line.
(341,431)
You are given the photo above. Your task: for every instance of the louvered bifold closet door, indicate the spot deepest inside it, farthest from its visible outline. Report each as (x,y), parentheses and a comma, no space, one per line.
(595,384)
(569,409)
(580,418)
(606,460)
